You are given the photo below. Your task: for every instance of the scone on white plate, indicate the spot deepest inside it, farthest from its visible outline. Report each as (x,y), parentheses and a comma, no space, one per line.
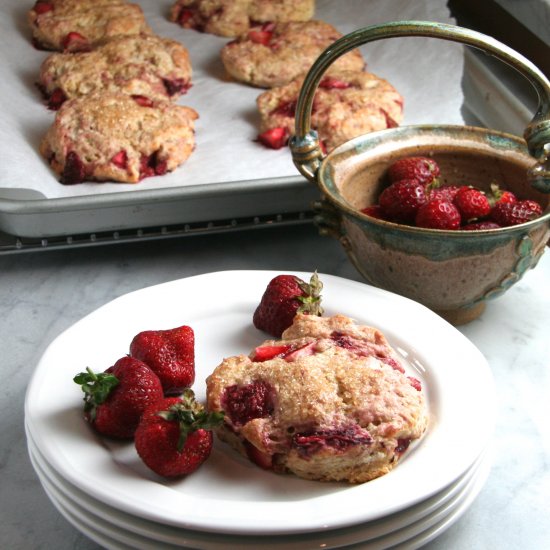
(330,401)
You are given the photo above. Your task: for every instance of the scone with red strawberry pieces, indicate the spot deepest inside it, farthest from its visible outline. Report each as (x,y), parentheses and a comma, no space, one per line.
(231,18)
(347,104)
(117,137)
(330,402)
(79,25)
(273,54)
(154,67)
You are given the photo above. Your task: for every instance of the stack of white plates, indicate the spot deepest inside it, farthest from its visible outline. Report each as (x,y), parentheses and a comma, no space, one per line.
(106,492)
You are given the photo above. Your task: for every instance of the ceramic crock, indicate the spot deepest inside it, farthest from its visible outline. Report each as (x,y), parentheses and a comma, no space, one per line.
(452,272)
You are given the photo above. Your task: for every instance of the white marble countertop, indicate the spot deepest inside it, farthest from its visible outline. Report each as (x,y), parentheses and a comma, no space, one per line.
(43,293)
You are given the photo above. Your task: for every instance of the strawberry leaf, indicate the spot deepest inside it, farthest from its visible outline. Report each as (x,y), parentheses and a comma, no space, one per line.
(191,416)
(96,388)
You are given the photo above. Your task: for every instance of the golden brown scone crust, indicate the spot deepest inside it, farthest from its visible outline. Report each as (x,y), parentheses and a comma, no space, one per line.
(113,137)
(158,68)
(347,104)
(339,409)
(230,18)
(94,20)
(292,49)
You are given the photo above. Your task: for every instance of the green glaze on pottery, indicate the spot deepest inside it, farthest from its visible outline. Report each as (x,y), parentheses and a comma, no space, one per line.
(452,272)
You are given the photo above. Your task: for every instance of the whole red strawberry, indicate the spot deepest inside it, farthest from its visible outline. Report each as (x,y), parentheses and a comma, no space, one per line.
(174,436)
(374,211)
(506,214)
(476,226)
(499,195)
(423,169)
(438,214)
(471,203)
(446,192)
(114,400)
(285,296)
(401,200)
(170,354)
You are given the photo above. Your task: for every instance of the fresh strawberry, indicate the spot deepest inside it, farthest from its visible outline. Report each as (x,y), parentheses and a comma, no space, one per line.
(75,42)
(274,138)
(284,297)
(486,224)
(374,211)
(446,192)
(402,199)
(170,354)
(74,170)
(471,203)
(506,214)
(499,195)
(243,403)
(174,436)
(115,399)
(438,214)
(423,169)
(120,159)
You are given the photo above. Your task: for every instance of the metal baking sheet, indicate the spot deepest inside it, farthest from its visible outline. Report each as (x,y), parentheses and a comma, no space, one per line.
(230,175)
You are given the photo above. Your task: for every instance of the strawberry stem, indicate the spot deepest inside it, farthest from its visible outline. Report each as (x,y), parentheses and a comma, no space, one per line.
(311,296)
(96,388)
(191,416)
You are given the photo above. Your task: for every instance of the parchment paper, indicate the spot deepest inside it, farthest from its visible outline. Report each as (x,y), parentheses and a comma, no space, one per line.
(426,71)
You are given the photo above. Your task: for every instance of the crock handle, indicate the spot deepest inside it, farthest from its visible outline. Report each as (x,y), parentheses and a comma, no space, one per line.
(304,145)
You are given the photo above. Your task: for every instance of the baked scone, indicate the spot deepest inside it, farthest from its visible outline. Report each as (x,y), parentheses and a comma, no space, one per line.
(117,137)
(274,54)
(346,104)
(329,402)
(231,18)
(151,66)
(79,25)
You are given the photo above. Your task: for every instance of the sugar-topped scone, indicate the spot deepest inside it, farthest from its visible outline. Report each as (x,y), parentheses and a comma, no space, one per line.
(117,137)
(231,18)
(347,104)
(274,54)
(151,66)
(79,25)
(330,402)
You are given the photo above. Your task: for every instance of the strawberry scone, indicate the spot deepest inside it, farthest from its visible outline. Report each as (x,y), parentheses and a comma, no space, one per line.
(79,25)
(154,67)
(117,137)
(329,402)
(274,54)
(347,104)
(231,18)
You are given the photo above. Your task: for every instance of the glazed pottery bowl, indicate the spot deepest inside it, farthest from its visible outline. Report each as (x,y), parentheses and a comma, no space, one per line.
(452,272)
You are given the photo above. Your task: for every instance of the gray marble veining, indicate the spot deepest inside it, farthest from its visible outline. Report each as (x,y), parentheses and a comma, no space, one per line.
(42,294)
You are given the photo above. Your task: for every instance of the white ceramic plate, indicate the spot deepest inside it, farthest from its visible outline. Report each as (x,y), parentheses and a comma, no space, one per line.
(400,524)
(228,494)
(114,534)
